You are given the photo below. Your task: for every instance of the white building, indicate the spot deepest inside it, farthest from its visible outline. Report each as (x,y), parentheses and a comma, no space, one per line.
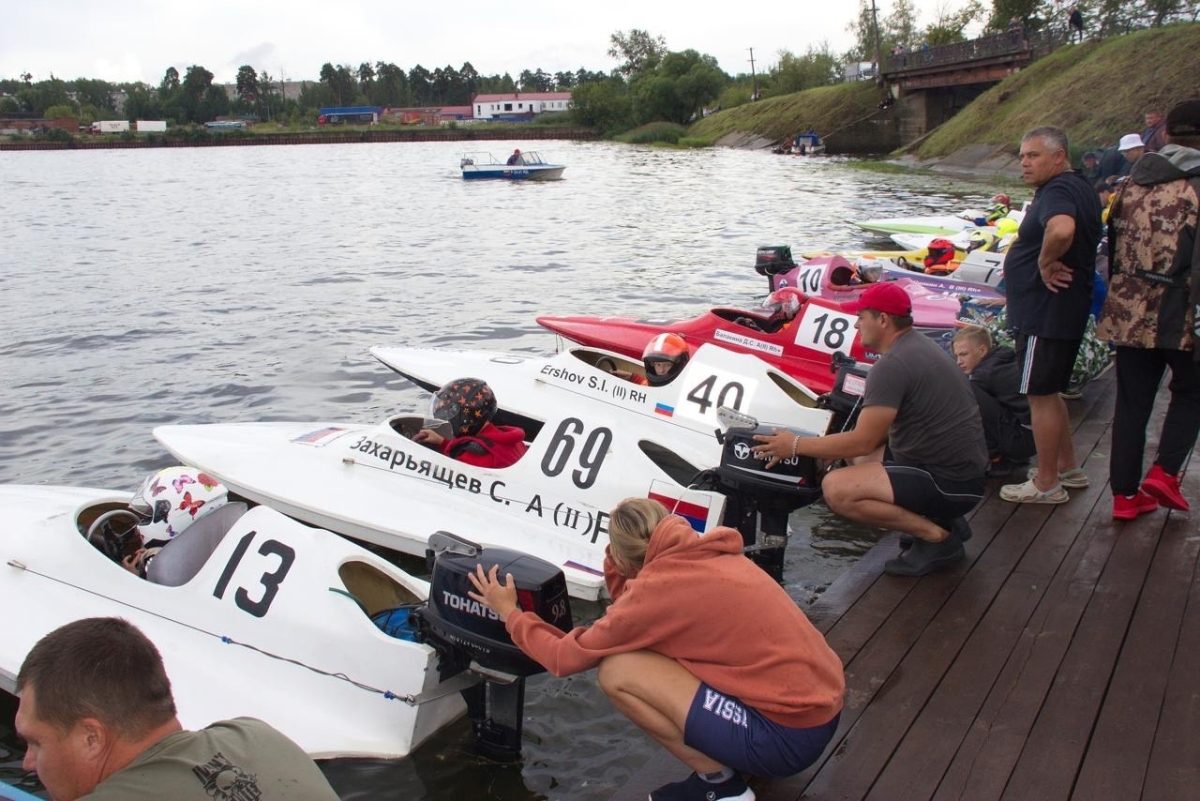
(519,104)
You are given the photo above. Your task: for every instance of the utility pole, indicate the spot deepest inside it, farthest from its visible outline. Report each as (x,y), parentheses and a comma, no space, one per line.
(754,75)
(878,47)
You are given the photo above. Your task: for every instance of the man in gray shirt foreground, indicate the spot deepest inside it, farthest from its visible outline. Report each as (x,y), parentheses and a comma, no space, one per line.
(919,404)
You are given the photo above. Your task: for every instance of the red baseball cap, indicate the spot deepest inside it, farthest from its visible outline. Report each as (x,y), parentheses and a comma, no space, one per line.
(884,297)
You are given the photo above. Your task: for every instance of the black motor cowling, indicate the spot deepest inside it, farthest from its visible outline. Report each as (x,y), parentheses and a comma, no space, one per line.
(760,500)
(466,625)
(773,259)
(468,634)
(846,397)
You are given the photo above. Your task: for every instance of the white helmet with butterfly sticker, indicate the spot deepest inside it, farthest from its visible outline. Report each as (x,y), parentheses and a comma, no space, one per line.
(172,499)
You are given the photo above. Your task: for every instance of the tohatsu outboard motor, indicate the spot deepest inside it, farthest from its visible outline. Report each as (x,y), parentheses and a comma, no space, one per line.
(760,500)
(846,398)
(469,636)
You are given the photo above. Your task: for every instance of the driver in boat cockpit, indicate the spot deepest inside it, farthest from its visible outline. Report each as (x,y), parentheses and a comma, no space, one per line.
(166,504)
(468,405)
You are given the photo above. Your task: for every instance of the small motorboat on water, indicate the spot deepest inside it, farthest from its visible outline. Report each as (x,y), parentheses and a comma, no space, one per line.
(522,166)
(598,383)
(375,483)
(254,614)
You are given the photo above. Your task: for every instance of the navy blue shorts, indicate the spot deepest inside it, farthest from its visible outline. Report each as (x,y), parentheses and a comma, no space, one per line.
(940,499)
(740,737)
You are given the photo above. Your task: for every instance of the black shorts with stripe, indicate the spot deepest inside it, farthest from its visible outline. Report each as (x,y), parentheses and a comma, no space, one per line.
(1046,363)
(940,499)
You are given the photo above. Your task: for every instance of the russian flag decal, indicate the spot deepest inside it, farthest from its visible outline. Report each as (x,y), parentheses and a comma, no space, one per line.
(664,409)
(695,512)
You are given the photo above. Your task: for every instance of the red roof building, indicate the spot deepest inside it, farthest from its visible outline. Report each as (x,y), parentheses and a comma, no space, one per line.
(515,105)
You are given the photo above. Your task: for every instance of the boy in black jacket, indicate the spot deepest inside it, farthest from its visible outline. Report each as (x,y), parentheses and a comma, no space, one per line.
(1005,411)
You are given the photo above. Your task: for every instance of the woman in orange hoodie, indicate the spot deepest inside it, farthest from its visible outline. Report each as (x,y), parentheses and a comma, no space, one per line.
(700,648)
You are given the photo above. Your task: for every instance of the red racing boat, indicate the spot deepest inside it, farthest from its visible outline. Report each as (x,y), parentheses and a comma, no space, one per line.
(800,341)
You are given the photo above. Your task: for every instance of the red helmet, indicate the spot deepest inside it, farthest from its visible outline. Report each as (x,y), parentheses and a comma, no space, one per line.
(941,251)
(1001,199)
(664,358)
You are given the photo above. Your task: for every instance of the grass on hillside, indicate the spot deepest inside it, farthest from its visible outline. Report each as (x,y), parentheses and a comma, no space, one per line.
(1096,92)
(826,109)
(653,133)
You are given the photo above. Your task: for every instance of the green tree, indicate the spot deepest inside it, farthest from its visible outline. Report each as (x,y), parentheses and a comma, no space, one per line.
(94,92)
(678,89)
(420,80)
(343,87)
(603,105)
(563,81)
(61,110)
(637,51)
(817,67)
(949,26)
(170,83)
(193,91)
(390,87)
(247,86)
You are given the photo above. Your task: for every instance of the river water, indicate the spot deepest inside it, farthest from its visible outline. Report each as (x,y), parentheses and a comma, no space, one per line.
(144,287)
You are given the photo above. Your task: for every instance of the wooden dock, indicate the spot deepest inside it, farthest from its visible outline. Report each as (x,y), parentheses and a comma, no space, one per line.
(1060,661)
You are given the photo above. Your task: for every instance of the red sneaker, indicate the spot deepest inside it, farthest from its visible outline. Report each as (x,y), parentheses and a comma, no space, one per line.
(1129,507)
(1164,488)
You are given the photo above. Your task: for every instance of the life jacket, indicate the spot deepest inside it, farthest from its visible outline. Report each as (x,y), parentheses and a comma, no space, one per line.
(493,446)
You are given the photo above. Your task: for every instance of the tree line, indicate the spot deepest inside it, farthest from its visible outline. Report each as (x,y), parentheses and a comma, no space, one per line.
(650,83)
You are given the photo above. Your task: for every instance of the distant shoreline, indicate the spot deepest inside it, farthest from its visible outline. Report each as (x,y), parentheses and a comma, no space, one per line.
(115,142)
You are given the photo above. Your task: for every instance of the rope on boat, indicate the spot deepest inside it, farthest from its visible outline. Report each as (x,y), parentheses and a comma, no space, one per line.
(408,698)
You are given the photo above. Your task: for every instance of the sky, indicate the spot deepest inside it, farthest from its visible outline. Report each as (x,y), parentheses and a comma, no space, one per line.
(136,40)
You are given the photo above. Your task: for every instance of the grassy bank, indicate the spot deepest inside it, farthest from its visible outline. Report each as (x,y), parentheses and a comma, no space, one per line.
(825,109)
(1095,91)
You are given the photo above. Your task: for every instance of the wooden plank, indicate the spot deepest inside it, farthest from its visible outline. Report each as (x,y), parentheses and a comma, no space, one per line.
(931,743)
(1119,750)
(1172,766)
(1055,747)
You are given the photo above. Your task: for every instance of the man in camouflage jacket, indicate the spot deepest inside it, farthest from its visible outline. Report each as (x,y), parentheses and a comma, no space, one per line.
(1151,314)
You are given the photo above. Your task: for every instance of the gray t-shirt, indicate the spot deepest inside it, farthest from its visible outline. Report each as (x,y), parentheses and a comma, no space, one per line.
(937,423)
(232,760)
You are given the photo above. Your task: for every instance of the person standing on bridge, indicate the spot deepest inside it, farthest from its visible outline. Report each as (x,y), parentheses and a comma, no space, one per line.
(1049,273)
(1075,23)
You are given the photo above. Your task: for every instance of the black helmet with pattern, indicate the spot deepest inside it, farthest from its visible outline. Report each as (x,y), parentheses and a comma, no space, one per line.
(467,404)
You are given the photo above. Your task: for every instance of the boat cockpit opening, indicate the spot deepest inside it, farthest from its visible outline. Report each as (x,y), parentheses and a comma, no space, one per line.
(612,364)
(407,425)
(760,322)
(385,601)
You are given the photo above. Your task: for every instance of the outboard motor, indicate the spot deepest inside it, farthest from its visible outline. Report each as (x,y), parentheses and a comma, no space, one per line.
(468,635)
(846,397)
(773,260)
(760,500)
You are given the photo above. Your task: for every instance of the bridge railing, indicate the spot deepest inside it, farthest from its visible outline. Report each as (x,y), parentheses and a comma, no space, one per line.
(1010,43)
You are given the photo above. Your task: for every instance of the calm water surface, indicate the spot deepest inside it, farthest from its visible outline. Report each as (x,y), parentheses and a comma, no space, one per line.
(146,287)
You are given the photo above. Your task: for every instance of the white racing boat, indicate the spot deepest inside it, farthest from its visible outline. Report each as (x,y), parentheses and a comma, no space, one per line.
(374,483)
(254,614)
(681,415)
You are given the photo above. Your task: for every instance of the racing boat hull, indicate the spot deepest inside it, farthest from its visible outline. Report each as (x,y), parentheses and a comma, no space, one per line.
(272,624)
(374,483)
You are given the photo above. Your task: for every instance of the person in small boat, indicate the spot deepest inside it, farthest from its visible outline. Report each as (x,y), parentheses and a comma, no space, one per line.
(100,724)
(916,401)
(168,502)
(664,357)
(996,382)
(515,158)
(468,405)
(679,656)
